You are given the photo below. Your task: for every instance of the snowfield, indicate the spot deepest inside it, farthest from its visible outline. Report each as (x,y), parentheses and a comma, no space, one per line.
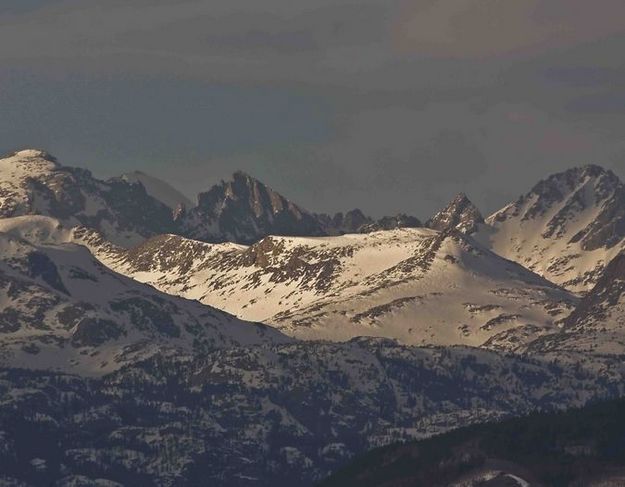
(419,286)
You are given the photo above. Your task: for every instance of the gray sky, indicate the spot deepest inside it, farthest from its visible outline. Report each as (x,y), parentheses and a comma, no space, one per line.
(386,105)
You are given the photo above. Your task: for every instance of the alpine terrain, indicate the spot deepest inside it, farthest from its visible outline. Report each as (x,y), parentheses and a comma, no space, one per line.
(33,182)
(246,341)
(567,228)
(64,310)
(419,286)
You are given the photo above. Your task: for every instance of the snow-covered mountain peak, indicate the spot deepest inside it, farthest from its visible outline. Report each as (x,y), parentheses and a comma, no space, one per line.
(34,154)
(566,228)
(563,195)
(128,209)
(460,214)
(33,183)
(22,162)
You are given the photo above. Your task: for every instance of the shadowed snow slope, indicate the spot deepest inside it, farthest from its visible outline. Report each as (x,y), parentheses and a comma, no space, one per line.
(597,325)
(63,310)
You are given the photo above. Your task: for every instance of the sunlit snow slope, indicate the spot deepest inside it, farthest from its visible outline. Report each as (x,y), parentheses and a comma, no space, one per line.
(417,285)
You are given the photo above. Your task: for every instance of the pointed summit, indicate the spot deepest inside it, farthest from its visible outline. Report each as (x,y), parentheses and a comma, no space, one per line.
(400,220)
(350,222)
(460,214)
(241,174)
(575,190)
(245,210)
(588,194)
(566,228)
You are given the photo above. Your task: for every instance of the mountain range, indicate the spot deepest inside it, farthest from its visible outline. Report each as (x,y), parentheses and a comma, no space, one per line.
(130,208)
(246,340)
(415,285)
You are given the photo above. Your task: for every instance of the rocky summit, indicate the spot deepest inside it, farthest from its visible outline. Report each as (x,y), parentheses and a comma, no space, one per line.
(460,214)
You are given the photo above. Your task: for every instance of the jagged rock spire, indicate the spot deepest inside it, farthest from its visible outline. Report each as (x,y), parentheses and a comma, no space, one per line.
(245,210)
(460,214)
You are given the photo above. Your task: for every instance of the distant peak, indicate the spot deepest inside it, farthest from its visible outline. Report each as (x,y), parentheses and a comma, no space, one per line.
(460,214)
(239,174)
(243,181)
(594,169)
(356,212)
(461,198)
(35,154)
(554,187)
(587,170)
(461,202)
(134,177)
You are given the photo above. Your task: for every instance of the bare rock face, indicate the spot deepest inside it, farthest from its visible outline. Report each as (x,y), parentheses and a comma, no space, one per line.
(460,214)
(355,221)
(134,207)
(350,222)
(400,220)
(245,210)
(601,304)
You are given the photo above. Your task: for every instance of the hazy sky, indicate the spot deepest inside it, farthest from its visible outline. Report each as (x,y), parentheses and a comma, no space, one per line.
(386,105)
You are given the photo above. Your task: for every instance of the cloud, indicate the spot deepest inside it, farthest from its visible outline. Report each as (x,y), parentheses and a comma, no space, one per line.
(482,28)
(327,42)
